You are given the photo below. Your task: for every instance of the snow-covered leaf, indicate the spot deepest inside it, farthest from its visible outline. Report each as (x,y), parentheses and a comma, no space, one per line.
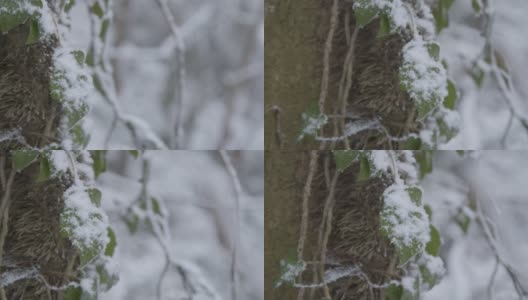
(344,158)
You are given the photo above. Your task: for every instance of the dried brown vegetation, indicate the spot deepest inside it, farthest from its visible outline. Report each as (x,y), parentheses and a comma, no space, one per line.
(26,106)
(33,239)
(355,238)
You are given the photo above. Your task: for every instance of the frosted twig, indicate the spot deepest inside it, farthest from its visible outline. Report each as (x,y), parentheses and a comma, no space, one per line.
(492,279)
(485,224)
(103,81)
(9,277)
(326,62)
(238,194)
(327,217)
(161,229)
(346,82)
(326,55)
(179,53)
(502,77)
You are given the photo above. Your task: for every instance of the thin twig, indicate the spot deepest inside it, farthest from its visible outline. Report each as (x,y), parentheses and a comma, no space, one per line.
(349,65)
(238,193)
(492,278)
(326,61)
(305,201)
(104,81)
(4,218)
(329,207)
(179,53)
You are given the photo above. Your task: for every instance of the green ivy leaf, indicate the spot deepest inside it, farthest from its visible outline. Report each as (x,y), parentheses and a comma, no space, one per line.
(106,279)
(449,101)
(434,50)
(463,221)
(433,247)
(415,194)
(344,158)
(104,29)
(90,58)
(34,31)
(73,293)
(394,292)
(79,137)
(13,14)
(440,13)
(69,5)
(408,251)
(155,206)
(424,108)
(98,85)
(427,277)
(87,254)
(364,168)
(424,158)
(413,143)
(23,158)
(476,5)
(99,161)
(477,74)
(79,56)
(384,27)
(446,130)
(110,247)
(95,195)
(97,10)
(76,114)
(45,169)
(132,223)
(364,12)
(428,211)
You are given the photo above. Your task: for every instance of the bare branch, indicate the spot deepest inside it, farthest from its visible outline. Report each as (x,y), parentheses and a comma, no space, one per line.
(238,194)
(179,54)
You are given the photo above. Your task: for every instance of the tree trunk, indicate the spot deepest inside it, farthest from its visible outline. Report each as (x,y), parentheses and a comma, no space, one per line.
(351,206)
(354,71)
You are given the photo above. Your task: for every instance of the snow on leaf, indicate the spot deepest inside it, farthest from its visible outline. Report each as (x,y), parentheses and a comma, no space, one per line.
(404,222)
(289,271)
(423,77)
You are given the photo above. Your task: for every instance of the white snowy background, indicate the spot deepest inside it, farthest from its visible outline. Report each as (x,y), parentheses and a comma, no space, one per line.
(495,180)
(224,62)
(200,200)
(484,112)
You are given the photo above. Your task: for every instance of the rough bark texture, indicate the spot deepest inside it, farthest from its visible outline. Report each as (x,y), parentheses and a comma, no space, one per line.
(283,186)
(355,238)
(34,239)
(26,106)
(294,30)
(296,33)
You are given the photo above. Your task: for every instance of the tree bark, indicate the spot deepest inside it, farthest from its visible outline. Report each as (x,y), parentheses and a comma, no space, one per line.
(316,55)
